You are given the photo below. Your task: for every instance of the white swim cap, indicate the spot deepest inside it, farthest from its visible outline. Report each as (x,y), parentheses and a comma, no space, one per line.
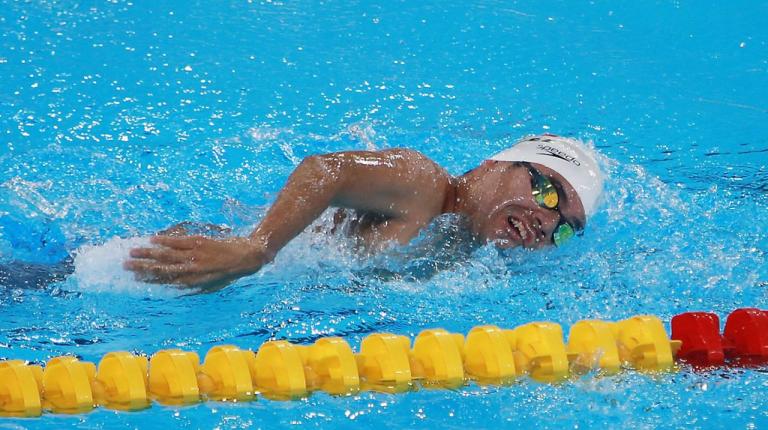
(569,157)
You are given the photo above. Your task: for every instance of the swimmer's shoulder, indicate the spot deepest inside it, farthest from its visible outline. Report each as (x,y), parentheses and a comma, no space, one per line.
(417,163)
(427,186)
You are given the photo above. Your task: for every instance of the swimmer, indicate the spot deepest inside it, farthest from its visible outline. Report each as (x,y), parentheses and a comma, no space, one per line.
(537,193)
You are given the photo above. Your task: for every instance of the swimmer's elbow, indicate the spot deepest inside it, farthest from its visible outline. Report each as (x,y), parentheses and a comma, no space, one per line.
(321,164)
(323,170)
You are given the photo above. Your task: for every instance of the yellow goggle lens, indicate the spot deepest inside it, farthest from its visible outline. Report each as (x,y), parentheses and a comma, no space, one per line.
(550,199)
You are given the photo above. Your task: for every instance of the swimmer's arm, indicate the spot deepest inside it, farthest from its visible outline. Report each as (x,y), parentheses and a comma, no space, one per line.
(398,184)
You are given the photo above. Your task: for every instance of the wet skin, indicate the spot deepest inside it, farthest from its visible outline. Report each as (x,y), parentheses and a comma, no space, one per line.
(402,190)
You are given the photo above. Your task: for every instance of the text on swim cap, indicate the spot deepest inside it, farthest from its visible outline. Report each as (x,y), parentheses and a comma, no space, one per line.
(554,152)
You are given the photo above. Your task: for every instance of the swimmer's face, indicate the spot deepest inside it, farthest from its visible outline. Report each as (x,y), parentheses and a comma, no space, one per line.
(508,215)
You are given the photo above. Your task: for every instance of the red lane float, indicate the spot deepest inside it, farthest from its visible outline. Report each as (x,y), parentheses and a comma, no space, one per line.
(744,341)
(746,332)
(700,334)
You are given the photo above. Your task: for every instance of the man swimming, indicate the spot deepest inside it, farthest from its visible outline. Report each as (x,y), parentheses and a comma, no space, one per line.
(537,193)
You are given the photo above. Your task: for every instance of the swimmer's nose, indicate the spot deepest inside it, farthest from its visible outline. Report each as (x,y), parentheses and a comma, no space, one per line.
(546,222)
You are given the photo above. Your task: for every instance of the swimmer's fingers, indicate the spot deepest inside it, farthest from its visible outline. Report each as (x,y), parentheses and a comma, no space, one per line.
(157,269)
(178,242)
(162,255)
(149,271)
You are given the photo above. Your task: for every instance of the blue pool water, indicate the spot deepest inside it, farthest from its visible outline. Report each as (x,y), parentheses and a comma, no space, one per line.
(120,118)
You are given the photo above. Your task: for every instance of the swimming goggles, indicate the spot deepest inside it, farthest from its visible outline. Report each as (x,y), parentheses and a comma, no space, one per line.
(545,195)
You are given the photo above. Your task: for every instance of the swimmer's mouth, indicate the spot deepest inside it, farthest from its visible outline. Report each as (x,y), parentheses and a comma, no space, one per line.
(521,231)
(518,227)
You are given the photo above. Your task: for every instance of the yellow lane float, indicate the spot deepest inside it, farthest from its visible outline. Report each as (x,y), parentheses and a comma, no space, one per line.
(385,362)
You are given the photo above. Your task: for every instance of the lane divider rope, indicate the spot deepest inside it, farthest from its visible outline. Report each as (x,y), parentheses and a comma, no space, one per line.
(386,362)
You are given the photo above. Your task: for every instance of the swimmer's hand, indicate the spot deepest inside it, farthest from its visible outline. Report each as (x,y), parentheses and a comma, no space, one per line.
(196,261)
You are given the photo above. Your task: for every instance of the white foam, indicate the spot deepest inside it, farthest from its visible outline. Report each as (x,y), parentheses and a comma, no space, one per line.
(100,268)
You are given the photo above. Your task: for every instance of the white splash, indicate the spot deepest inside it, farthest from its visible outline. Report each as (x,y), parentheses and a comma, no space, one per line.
(100,268)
